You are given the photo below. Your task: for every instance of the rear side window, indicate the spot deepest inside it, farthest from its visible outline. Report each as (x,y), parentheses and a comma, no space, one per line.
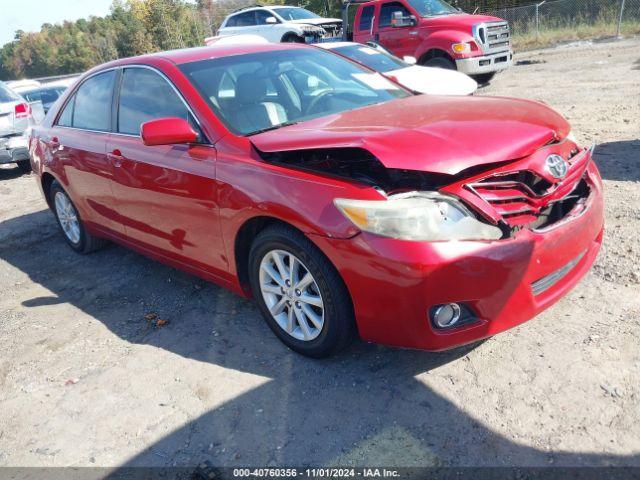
(366,18)
(144,96)
(386,12)
(67,114)
(92,103)
(246,19)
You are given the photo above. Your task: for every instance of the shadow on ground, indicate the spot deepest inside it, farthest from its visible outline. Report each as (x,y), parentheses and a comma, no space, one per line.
(364,407)
(619,160)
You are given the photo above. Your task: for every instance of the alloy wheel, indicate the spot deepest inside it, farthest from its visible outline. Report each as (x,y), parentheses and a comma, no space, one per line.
(291,295)
(68,217)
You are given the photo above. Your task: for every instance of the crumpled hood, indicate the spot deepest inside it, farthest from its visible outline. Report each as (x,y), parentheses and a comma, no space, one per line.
(316,21)
(429,133)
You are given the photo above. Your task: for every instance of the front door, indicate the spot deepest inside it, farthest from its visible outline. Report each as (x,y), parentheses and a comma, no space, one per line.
(167,193)
(401,41)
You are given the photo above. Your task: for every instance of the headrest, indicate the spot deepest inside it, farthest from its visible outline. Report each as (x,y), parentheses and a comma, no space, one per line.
(250,88)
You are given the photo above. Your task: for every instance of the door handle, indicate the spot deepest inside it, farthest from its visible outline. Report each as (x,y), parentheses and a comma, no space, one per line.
(54,143)
(116,158)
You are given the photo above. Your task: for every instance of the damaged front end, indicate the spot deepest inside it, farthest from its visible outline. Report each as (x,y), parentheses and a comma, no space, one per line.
(511,196)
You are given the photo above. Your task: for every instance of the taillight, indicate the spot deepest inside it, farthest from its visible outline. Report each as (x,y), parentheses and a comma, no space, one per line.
(22,110)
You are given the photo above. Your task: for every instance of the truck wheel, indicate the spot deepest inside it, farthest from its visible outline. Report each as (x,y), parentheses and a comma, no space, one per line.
(484,78)
(70,223)
(292,38)
(440,62)
(300,293)
(24,166)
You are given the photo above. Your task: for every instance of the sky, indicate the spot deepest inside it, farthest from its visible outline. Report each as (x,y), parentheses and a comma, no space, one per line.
(29,15)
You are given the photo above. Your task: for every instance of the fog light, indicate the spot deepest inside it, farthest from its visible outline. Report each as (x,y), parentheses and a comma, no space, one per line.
(446,316)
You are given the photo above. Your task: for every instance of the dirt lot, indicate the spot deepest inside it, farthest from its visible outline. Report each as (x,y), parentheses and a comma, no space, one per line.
(85,380)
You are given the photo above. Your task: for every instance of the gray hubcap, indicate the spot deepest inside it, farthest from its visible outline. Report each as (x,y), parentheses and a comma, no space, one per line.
(68,217)
(292,295)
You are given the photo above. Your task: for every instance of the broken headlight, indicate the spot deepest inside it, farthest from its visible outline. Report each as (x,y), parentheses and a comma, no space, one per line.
(426,216)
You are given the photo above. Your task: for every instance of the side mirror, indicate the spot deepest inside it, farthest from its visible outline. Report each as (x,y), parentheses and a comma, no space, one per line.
(399,20)
(167,131)
(271,20)
(410,60)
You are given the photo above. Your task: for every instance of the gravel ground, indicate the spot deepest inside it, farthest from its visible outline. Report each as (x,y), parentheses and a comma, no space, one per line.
(86,380)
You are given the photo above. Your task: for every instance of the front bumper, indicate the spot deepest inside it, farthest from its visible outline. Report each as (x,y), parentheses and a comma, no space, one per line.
(14,149)
(395,283)
(485,63)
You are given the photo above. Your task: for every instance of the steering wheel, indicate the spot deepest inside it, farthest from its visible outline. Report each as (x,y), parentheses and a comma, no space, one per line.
(316,101)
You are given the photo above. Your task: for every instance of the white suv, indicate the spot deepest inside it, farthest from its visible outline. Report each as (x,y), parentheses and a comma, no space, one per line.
(280,23)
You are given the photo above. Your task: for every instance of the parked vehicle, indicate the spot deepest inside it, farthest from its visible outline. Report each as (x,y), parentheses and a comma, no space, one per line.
(46,94)
(15,118)
(435,33)
(419,79)
(341,202)
(281,23)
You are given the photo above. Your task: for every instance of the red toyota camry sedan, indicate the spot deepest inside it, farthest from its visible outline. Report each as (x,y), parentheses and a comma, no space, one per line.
(343,204)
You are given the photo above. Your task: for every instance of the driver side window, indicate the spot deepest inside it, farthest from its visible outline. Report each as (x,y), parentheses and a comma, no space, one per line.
(387,10)
(261,17)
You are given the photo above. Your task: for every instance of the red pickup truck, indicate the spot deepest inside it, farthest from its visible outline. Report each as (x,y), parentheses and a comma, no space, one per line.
(433,32)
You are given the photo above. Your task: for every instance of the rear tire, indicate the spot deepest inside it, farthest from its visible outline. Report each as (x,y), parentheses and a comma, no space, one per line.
(484,78)
(69,221)
(440,62)
(314,318)
(24,166)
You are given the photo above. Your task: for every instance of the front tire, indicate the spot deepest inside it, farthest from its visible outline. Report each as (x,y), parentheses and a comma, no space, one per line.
(292,38)
(440,62)
(300,294)
(69,221)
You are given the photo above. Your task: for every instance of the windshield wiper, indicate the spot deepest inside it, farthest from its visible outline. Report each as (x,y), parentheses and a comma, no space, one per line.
(273,127)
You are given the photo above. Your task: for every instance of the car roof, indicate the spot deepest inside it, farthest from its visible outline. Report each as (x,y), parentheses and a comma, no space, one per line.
(188,55)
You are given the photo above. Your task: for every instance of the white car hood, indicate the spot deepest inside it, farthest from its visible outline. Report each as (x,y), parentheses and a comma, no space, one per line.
(315,21)
(434,81)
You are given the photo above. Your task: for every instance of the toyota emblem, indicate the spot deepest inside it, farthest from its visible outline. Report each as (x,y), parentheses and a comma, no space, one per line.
(556,166)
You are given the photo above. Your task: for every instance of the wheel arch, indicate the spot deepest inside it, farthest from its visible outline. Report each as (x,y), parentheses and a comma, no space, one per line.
(45,181)
(435,53)
(291,33)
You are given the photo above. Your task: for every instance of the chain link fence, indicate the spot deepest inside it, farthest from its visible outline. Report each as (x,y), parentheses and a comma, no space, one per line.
(558,20)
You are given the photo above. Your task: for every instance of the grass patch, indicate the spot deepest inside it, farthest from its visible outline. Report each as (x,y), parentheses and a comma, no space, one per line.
(554,35)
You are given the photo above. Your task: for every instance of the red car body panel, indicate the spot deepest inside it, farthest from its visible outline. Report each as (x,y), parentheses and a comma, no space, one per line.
(429,133)
(185,205)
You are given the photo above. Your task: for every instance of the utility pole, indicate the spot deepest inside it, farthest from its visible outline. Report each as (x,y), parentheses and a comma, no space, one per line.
(620,18)
(538,17)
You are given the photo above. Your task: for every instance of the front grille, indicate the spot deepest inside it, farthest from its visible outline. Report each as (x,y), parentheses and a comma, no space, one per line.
(331,29)
(545,283)
(514,196)
(494,37)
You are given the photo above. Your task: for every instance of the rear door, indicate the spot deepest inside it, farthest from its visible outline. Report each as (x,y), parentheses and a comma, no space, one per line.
(167,193)
(77,143)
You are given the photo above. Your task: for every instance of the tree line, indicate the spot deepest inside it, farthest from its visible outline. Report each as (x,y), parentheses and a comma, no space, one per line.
(142,26)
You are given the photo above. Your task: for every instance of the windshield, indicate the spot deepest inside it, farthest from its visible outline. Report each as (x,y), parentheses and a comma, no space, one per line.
(261,91)
(429,8)
(293,13)
(382,62)
(7,95)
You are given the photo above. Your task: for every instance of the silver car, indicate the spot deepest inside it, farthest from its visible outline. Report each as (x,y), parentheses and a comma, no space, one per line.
(15,118)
